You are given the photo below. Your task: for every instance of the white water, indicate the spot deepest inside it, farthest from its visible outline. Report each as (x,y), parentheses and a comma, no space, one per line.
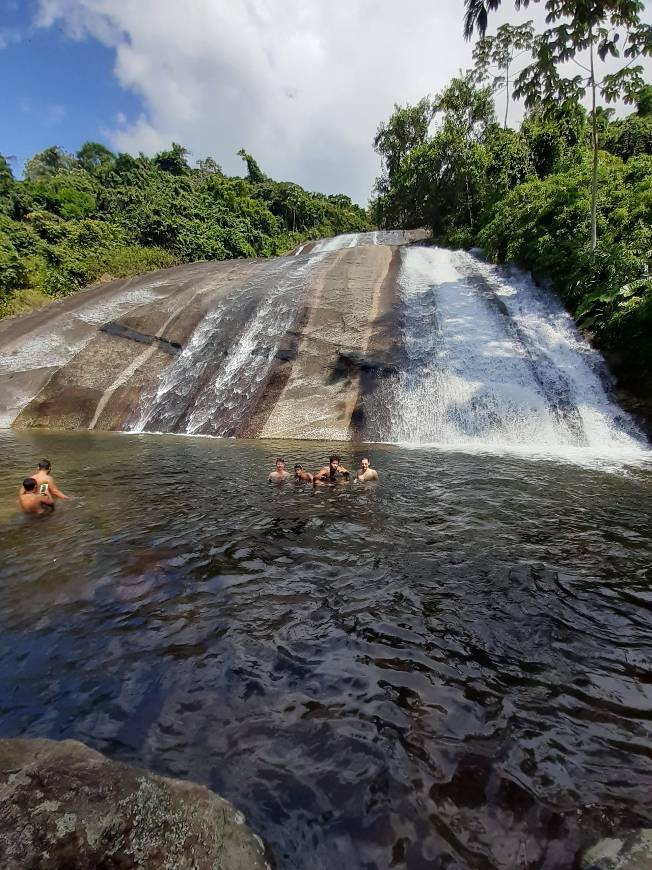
(204,391)
(352,240)
(493,363)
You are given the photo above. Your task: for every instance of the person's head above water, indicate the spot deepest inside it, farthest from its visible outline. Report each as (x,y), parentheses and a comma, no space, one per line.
(298,467)
(280,464)
(45,465)
(334,460)
(29,484)
(364,463)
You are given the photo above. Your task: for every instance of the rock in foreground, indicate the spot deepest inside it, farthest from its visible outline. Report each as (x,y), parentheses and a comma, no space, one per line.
(65,805)
(628,852)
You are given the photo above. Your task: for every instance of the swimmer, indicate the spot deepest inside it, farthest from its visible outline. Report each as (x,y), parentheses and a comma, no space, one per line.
(45,481)
(30,499)
(366,473)
(331,472)
(279,474)
(301,475)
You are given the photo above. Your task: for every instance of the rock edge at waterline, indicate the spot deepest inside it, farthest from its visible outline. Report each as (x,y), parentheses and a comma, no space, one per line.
(63,804)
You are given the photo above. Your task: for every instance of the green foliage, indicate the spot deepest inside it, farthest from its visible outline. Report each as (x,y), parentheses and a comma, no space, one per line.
(78,219)
(407,128)
(500,51)
(525,197)
(255,174)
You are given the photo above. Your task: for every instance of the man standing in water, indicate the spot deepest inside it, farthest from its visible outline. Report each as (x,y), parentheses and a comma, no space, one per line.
(301,475)
(45,482)
(331,472)
(366,473)
(30,499)
(280,474)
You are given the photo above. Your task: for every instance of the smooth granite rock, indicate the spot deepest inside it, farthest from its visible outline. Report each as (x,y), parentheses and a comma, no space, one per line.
(63,805)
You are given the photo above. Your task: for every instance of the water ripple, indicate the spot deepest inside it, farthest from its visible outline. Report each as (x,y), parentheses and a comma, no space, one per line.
(450,669)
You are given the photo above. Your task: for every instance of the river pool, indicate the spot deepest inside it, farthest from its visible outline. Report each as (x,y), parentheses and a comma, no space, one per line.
(451,668)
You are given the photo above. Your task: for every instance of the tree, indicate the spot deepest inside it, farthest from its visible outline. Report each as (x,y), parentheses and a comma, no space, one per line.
(47,163)
(173,161)
(254,172)
(644,102)
(501,50)
(7,185)
(476,15)
(93,155)
(406,128)
(208,167)
(595,29)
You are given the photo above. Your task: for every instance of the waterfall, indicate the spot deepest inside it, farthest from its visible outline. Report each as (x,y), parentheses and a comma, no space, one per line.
(491,361)
(213,386)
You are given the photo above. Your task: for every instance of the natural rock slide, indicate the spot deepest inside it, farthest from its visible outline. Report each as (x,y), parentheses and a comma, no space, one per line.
(246,347)
(369,336)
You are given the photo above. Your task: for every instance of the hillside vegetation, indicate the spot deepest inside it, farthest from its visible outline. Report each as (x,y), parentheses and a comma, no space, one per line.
(77,219)
(524,196)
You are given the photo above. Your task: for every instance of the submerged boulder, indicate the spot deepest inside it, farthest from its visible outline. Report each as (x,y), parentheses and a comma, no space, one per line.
(65,805)
(631,851)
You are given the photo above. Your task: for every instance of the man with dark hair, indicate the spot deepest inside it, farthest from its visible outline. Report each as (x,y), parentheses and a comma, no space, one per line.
(331,472)
(301,475)
(30,499)
(279,474)
(45,481)
(365,472)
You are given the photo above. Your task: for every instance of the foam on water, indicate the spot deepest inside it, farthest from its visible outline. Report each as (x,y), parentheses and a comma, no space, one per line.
(494,363)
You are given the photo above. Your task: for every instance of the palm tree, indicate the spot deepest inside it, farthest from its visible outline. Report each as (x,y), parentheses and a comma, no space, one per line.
(477,15)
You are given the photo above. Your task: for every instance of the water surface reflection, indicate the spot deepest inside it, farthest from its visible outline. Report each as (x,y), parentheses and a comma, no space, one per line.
(450,669)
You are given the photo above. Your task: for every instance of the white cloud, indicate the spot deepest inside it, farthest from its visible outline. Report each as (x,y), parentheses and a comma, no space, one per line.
(55,114)
(9,36)
(301,84)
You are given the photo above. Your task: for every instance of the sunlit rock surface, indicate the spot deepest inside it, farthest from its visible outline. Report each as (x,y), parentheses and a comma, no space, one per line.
(65,805)
(368,336)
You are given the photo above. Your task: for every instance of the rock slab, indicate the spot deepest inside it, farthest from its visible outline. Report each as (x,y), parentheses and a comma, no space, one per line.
(631,851)
(63,805)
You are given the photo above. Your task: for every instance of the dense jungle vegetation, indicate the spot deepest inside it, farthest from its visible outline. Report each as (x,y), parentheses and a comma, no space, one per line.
(76,219)
(568,195)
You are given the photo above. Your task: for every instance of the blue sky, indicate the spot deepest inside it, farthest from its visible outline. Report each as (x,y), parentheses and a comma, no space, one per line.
(300,84)
(61,91)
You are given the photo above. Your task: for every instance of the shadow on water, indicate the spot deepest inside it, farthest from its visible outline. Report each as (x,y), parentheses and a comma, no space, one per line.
(448,669)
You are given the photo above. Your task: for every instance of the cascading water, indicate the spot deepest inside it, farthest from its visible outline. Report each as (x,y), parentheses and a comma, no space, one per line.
(213,386)
(352,240)
(491,362)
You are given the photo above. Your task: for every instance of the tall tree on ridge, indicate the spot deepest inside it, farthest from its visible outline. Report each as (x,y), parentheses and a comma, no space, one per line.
(581,27)
(500,50)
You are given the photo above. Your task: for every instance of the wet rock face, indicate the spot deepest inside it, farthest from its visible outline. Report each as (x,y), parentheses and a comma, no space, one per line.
(63,805)
(628,852)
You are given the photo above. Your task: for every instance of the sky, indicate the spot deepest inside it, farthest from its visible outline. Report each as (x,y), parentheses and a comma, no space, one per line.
(300,84)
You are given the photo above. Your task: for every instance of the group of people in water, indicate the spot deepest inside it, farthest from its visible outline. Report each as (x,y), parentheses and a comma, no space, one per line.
(39,492)
(329,474)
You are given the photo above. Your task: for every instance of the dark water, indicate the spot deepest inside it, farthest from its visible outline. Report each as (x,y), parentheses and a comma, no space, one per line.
(450,669)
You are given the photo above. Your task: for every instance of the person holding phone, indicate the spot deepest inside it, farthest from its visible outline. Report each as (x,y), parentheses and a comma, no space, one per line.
(45,482)
(31,500)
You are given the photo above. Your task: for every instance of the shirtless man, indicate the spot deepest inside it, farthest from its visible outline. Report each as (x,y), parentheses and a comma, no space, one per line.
(331,472)
(366,473)
(280,474)
(44,478)
(30,500)
(301,475)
